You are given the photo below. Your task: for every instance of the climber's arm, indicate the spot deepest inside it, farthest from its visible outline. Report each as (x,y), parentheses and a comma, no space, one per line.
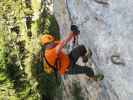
(64,41)
(73,33)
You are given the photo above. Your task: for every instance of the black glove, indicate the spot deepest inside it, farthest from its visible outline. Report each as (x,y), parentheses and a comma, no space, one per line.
(75,29)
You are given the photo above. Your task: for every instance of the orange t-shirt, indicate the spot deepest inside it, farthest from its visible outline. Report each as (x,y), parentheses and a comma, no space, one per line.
(51,56)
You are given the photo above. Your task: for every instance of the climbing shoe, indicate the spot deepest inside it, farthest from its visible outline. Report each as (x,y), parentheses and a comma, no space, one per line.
(98,77)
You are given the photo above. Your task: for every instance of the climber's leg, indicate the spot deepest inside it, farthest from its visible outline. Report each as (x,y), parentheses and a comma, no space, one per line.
(77,52)
(76,69)
(85,70)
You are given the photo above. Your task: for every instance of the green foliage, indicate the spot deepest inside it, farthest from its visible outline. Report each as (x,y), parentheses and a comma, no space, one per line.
(14,84)
(47,23)
(21,76)
(53,27)
(77,92)
(6,86)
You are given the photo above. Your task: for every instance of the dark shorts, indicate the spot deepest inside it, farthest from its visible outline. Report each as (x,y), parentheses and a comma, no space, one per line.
(77,52)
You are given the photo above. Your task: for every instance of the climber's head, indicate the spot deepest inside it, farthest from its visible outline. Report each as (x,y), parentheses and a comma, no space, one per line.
(46,39)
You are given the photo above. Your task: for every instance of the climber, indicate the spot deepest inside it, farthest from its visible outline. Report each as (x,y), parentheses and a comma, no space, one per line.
(56,58)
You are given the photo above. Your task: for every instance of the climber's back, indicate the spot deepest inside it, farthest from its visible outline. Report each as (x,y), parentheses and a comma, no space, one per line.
(60,61)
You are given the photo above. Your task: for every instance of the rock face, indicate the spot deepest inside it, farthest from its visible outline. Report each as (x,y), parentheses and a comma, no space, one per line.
(106,27)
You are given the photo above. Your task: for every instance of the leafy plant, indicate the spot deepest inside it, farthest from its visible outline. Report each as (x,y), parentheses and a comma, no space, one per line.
(21,76)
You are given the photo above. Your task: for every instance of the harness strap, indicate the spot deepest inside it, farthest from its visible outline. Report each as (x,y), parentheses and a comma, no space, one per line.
(49,63)
(55,67)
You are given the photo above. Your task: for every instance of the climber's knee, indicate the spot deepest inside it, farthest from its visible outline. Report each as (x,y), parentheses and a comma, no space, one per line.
(82,50)
(77,52)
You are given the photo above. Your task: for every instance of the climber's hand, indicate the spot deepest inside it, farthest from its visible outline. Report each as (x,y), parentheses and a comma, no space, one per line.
(75,29)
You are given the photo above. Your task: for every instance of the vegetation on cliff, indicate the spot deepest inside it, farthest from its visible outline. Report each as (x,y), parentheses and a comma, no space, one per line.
(21,73)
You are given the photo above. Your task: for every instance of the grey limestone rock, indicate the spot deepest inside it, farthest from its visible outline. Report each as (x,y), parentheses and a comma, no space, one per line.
(107,29)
